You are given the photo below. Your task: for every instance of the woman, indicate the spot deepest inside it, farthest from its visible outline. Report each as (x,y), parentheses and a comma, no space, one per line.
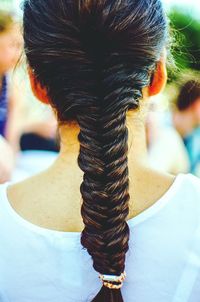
(10,103)
(186,120)
(96,63)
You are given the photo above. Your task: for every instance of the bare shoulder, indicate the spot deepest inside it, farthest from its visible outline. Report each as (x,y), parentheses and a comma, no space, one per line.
(28,186)
(47,202)
(44,195)
(147,188)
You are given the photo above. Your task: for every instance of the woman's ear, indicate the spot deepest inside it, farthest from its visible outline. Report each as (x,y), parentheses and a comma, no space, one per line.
(159,78)
(39,92)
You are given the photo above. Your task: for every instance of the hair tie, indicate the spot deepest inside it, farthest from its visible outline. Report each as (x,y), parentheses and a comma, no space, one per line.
(109,279)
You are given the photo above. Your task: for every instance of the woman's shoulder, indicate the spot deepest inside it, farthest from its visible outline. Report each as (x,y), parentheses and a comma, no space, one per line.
(189,190)
(192,182)
(179,197)
(188,184)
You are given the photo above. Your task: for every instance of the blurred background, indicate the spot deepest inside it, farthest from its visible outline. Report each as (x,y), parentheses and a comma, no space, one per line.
(29,139)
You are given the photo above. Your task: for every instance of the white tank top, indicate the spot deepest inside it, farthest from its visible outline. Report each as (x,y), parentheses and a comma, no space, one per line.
(162,264)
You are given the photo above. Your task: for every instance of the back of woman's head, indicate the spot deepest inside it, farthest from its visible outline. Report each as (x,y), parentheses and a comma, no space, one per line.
(94,57)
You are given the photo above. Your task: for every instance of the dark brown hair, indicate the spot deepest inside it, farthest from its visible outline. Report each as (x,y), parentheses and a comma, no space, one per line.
(188,95)
(94,57)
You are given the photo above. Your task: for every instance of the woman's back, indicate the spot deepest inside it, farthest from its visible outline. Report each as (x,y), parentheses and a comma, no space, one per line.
(162,262)
(96,62)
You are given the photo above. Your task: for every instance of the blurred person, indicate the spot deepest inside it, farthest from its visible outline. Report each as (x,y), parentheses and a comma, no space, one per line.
(186,119)
(39,142)
(18,132)
(10,50)
(160,139)
(40,135)
(40,131)
(99,210)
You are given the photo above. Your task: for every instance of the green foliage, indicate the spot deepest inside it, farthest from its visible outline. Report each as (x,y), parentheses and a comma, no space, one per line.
(186,37)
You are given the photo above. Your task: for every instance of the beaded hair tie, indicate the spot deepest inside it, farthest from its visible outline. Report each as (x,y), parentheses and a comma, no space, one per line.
(109,279)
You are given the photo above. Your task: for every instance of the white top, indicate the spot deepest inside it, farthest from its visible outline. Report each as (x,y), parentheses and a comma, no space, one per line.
(162,264)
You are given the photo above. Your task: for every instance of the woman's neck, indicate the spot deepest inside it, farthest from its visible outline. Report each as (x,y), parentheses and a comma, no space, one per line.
(137,153)
(61,183)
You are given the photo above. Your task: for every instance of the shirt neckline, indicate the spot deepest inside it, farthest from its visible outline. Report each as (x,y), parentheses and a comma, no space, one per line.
(144,215)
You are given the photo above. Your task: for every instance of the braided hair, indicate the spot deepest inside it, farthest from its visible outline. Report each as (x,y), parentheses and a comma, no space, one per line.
(94,57)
